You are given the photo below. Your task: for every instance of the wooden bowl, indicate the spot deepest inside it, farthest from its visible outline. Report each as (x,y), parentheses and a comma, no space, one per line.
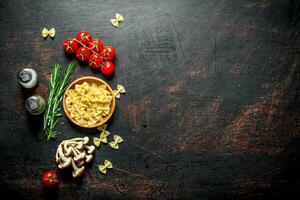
(97,81)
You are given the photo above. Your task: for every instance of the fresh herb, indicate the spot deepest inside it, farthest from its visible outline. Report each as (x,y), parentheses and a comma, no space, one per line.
(57,86)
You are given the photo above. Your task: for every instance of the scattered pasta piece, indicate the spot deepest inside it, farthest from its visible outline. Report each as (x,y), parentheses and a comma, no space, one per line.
(120,90)
(46,32)
(116,21)
(102,127)
(102,138)
(88,103)
(103,168)
(115,144)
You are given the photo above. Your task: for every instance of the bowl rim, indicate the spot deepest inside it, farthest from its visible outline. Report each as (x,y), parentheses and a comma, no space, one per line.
(82,79)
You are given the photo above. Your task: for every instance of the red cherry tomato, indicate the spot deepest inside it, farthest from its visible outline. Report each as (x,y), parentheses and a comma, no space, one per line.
(95,61)
(83,54)
(70,46)
(96,45)
(50,179)
(107,68)
(108,52)
(84,37)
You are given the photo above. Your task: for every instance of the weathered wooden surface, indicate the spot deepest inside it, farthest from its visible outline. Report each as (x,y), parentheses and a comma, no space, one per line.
(212,103)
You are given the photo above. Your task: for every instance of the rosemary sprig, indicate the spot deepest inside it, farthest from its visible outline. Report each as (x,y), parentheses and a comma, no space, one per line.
(57,86)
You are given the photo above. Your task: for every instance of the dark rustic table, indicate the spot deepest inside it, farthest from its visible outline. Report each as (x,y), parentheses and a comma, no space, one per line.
(211,109)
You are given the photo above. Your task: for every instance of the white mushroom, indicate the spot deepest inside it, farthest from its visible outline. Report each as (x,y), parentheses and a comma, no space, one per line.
(85,140)
(67,149)
(77,171)
(77,145)
(90,149)
(77,154)
(63,160)
(88,158)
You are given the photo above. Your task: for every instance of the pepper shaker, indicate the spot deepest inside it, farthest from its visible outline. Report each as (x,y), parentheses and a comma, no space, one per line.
(27,78)
(35,105)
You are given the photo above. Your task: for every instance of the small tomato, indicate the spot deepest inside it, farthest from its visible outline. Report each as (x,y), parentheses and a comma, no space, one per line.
(95,61)
(84,37)
(50,179)
(70,46)
(83,54)
(96,45)
(108,53)
(107,68)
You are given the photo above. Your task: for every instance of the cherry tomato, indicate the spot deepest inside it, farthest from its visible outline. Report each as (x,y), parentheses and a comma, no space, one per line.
(95,61)
(108,52)
(84,37)
(83,54)
(107,68)
(96,45)
(50,179)
(70,46)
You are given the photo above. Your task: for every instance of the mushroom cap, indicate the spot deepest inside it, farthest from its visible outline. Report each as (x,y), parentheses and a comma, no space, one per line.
(85,140)
(90,149)
(78,172)
(79,145)
(88,158)
(64,164)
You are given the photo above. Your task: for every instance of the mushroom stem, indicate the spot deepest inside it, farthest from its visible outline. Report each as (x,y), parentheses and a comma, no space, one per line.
(77,171)
(67,149)
(77,154)
(80,163)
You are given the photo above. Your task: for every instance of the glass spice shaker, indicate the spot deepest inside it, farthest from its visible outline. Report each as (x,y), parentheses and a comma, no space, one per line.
(27,78)
(35,105)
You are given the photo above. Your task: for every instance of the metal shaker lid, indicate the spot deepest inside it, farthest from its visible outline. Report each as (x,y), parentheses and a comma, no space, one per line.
(32,103)
(25,76)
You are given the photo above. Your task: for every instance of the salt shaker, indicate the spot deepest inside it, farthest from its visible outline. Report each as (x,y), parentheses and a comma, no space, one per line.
(27,78)
(35,105)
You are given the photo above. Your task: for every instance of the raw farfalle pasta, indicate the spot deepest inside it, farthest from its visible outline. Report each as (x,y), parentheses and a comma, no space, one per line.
(115,144)
(120,90)
(102,127)
(103,168)
(103,136)
(50,32)
(88,103)
(116,21)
